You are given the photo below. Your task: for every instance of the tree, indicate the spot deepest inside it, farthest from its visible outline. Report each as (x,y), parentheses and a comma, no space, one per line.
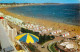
(48,37)
(52,37)
(23,30)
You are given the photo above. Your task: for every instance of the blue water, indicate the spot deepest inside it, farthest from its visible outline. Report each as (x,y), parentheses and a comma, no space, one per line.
(65,13)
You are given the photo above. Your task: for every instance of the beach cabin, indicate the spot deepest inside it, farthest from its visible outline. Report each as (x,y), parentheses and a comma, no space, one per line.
(56,32)
(65,34)
(78,36)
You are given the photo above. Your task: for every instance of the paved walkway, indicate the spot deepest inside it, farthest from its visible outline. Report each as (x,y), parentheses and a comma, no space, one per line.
(4,39)
(46,44)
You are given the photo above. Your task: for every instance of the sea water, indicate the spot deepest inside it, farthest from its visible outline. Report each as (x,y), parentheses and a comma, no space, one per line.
(62,13)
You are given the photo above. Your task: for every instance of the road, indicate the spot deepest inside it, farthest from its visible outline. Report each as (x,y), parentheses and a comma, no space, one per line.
(46,44)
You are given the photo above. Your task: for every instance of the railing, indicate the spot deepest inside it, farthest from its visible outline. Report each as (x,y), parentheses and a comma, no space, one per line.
(6,43)
(8,38)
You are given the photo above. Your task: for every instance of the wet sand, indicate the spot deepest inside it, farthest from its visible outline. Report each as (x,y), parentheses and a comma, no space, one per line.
(75,30)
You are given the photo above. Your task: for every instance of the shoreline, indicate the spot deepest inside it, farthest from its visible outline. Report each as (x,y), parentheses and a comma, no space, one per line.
(55,25)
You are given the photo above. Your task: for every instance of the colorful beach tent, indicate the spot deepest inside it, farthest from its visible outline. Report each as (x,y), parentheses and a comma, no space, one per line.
(1,17)
(28,38)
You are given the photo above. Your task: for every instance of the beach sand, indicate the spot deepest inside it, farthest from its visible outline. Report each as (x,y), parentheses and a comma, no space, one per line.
(75,30)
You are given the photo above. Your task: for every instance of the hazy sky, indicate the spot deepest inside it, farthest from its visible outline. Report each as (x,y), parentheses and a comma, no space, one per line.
(40,1)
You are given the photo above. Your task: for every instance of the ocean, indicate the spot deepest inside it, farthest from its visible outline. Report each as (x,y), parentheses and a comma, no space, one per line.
(63,13)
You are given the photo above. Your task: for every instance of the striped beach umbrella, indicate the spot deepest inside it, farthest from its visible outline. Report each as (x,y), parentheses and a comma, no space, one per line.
(27,37)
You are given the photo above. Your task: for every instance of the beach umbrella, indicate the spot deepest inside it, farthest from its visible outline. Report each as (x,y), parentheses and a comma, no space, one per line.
(1,17)
(27,37)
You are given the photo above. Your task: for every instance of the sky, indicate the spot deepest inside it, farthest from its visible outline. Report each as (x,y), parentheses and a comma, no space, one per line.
(40,1)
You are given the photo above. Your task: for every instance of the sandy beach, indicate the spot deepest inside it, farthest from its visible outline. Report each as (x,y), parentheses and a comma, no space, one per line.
(75,30)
